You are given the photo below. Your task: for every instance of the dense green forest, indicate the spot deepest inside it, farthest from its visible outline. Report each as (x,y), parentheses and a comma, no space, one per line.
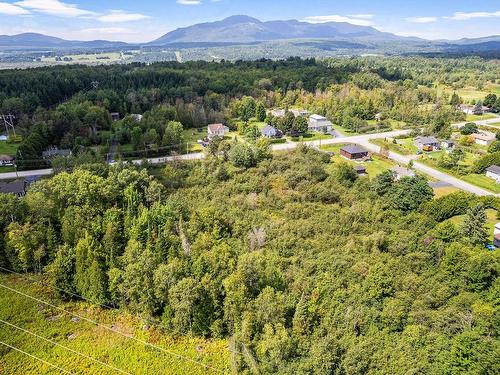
(69,106)
(304,267)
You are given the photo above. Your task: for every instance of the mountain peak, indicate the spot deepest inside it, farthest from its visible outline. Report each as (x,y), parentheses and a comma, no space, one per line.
(240,19)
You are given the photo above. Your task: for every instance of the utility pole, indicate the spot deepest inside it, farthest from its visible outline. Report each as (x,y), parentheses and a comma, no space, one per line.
(8,120)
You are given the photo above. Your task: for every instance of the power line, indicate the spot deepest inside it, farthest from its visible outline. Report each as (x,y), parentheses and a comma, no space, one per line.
(64,347)
(37,358)
(88,300)
(179,356)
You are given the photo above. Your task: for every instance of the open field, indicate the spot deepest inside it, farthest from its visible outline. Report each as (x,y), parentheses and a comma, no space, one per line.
(95,341)
(469,94)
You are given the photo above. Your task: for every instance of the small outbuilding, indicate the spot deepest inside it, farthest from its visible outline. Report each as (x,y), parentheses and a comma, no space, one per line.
(447,144)
(353,152)
(360,170)
(115,116)
(493,172)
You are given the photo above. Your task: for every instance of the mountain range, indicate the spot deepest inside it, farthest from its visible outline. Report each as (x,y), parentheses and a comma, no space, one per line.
(247,30)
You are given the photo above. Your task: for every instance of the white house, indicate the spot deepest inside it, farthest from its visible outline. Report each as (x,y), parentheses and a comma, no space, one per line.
(4,137)
(497,228)
(217,130)
(319,124)
(494,173)
(484,138)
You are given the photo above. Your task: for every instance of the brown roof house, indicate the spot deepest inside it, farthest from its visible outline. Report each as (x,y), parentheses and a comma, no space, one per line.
(353,152)
(217,130)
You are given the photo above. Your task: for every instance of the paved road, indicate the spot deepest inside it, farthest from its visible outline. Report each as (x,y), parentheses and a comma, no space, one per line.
(363,140)
(480,122)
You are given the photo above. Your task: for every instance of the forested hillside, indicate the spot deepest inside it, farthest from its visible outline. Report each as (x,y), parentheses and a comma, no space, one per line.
(302,266)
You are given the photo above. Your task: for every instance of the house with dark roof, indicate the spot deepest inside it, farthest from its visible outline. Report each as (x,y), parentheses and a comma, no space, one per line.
(427,143)
(494,173)
(269,131)
(17,187)
(353,152)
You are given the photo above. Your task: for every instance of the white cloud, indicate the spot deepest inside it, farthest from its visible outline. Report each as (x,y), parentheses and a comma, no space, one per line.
(121,16)
(55,8)
(12,10)
(360,21)
(461,16)
(189,2)
(362,16)
(421,19)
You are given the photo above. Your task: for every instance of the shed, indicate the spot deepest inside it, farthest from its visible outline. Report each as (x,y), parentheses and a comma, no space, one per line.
(360,169)
(270,132)
(353,152)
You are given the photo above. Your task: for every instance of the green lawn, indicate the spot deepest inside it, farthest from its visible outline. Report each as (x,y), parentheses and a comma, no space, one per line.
(92,340)
(490,222)
(467,94)
(445,190)
(7,148)
(5,169)
(312,136)
(482,181)
(404,146)
(376,166)
(486,116)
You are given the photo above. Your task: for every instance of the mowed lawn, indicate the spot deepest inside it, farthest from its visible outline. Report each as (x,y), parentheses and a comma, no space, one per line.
(486,116)
(7,148)
(179,355)
(490,222)
(376,166)
(404,146)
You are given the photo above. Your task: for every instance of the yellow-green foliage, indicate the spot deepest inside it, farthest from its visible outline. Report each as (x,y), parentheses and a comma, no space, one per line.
(111,348)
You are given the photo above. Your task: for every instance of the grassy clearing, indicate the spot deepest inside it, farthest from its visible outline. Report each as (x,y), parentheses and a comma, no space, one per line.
(490,222)
(404,146)
(468,94)
(376,166)
(85,337)
(7,148)
(312,136)
(486,116)
(445,190)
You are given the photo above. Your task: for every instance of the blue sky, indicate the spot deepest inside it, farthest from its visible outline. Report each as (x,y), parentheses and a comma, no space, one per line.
(144,20)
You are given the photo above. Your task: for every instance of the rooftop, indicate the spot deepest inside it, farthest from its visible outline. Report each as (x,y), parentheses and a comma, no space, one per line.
(354,149)
(318,117)
(494,169)
(485,136)
(14,187)
(427,140)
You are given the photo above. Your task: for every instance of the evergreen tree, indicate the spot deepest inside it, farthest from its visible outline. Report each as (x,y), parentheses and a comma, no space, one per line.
(473,228)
